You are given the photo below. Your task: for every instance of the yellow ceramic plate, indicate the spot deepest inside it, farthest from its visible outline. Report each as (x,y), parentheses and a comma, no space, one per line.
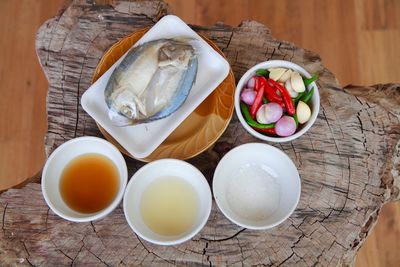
(198,131)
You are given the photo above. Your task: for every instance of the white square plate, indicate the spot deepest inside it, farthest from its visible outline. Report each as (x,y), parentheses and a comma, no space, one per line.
(142,139)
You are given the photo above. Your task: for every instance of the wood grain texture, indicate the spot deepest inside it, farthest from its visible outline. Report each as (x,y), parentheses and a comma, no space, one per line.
(369,56)
(347,161)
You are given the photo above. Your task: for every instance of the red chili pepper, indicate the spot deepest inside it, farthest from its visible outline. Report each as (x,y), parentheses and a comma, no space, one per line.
(257,102)
(262,79)
(270,131)
(257,83)
(286,97)
(270,92)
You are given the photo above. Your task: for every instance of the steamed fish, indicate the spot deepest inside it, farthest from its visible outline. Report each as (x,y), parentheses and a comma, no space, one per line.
(152,81)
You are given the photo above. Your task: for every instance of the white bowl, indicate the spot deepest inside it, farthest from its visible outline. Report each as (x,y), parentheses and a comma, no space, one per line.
(314,104)
(252,210)
(148,174)
(61,157)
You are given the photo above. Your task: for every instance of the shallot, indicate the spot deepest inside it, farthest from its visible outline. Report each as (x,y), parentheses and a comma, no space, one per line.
(252,82)
(247,96)
(269,113)
(286,126)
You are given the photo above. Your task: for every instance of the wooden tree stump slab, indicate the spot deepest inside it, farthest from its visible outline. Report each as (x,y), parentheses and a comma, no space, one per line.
(349,161)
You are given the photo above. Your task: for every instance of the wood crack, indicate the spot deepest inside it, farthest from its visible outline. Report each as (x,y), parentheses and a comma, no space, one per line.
(223,239)
(272,54)
(129,253)
(77,98)
(56,133)
(96,233)
(4,217)
(30,263)
(97,257)
(79,251)
(348,187)
(241,250)
(26,250)
(62,87)
(297,241)
(229,42)
(62,252)
(28,254)
(55,20)
(331,130)
(326,228)
(205,254)
(286,259)
(153,253)
(318,258)
(364,143)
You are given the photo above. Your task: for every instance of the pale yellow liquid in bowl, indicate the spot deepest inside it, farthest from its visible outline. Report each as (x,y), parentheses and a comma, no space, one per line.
(169,206)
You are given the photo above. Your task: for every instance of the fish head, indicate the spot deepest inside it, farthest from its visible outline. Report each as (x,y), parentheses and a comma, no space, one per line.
(124,101)
(175,53)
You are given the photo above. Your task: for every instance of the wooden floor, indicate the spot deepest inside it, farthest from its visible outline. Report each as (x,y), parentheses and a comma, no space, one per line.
(359,40)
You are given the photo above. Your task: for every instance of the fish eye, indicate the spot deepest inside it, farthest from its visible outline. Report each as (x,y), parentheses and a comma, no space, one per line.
(127,111)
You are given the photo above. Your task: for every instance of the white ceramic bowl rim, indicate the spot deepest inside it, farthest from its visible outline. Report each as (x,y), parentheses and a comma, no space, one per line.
(194,231)
(253,227)
(97,215)
(273,64)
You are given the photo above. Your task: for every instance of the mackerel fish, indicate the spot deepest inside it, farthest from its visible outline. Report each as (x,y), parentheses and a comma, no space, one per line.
(152,81)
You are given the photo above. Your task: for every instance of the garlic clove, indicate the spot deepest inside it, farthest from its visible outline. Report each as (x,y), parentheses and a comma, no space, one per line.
(285,76)
(276,73)
(297,82)
(260,115)
(292,93)
(303,112)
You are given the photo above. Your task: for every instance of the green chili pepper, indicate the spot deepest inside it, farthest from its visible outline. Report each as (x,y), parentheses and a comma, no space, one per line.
(296,120)
(265,100)
(307,82)
(250,121)
(262,72)
(307,97)
(297,98)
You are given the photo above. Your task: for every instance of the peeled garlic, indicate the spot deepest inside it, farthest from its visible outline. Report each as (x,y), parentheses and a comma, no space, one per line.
(297,82)
(292,93)
(276,73)
(303,112)
(285,76)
